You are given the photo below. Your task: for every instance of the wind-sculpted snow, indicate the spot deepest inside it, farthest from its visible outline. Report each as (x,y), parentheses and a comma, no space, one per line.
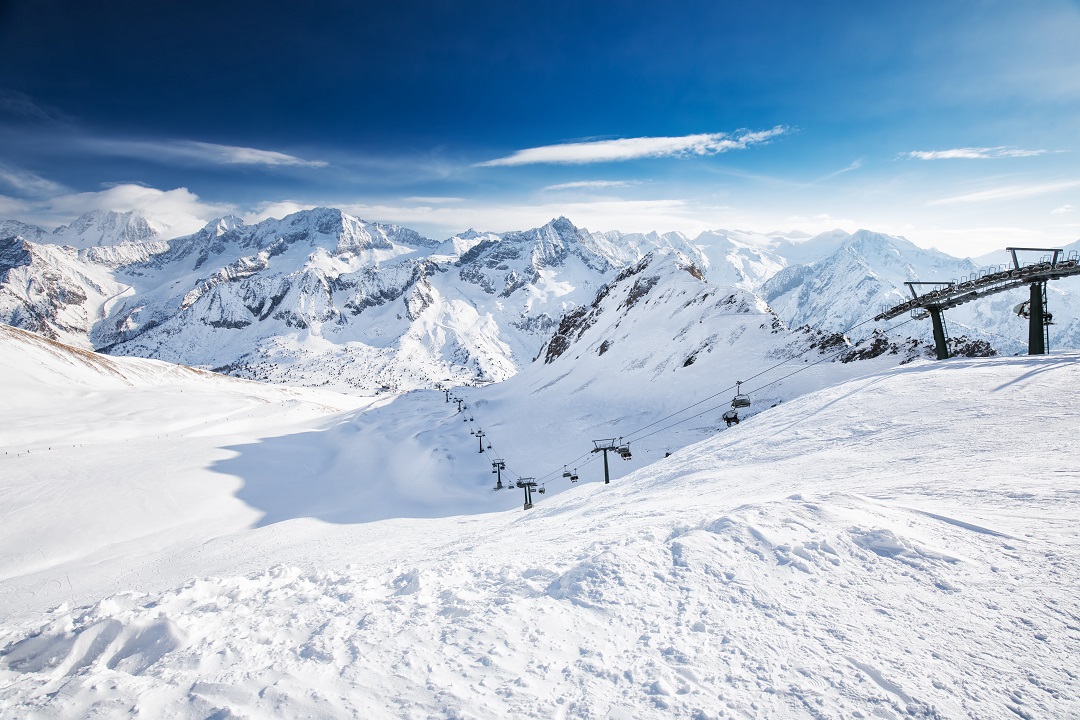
(878,548)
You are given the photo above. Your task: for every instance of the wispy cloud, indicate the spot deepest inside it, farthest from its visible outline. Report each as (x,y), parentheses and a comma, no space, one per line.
(191,151)
(233,155)
(1009,192)
(433,200)
(18,106)
(13,207)
(855,165)
(580,153)
(972,153)
(28,184)
(1064,209)
(590,185)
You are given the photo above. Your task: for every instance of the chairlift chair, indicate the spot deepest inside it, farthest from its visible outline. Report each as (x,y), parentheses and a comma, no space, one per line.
(740,400)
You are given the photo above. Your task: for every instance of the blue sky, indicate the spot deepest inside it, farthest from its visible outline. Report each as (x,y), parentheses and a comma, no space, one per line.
(955,124)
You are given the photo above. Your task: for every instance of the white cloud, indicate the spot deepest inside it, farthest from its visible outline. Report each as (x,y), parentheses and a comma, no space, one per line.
(27,183)
(196,152)
(278,209)
(972,153)
(1008,192)
(180,210)
(126,197)
(634,148)
(590,185)
(1064,209)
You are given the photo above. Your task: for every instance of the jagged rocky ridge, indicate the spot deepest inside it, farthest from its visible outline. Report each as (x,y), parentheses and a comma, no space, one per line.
(319,296)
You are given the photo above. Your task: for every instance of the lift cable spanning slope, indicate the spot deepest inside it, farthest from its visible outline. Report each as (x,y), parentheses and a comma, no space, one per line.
(728,389)
(761,387)
(630,437)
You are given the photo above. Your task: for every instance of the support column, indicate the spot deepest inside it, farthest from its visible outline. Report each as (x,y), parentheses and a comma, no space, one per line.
(939,333)
(607,476)
(1036,325)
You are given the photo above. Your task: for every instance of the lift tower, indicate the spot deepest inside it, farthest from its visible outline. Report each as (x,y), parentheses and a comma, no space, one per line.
(604,446)
(1038,317)
(497,466)
(528,484)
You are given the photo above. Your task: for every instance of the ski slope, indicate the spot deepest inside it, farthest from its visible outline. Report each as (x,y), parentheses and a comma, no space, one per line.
(902,544)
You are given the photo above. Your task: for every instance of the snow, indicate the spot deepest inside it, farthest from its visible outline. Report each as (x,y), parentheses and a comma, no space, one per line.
(901,542)
(321,298)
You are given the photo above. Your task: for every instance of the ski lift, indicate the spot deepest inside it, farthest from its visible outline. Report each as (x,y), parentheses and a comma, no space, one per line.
(574,476)
(740,400)
(566,473)
(731,417)
(541,490)
(624,452)
(1024,310)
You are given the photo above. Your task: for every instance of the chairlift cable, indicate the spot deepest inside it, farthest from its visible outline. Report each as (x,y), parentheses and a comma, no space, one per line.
(734,387)
(806,367)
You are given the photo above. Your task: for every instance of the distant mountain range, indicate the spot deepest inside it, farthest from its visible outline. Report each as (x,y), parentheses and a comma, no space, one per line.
(321,297)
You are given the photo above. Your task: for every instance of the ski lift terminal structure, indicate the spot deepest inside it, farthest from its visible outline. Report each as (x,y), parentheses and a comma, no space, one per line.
(1053,265)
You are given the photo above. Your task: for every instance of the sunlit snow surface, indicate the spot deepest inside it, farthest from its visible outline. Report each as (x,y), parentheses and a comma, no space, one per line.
(898,545)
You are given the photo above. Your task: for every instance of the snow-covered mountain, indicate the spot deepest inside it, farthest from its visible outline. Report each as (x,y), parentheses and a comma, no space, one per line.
(106,227)
(325,298)
(52,290)
(867,272)
(288,299)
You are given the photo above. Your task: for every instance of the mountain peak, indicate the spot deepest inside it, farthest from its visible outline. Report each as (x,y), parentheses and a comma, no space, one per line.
(108,227)
(222,225)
